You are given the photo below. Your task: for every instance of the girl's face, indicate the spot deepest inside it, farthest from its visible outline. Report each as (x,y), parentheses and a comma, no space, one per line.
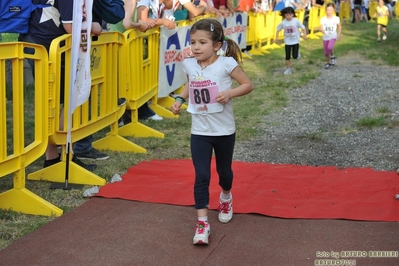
(381,2)
(288,16)
(202,46)
(330,11)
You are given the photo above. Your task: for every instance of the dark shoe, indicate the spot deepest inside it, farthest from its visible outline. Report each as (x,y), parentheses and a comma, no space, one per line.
(127,117)
(327,66)
(89,167)
(92,154)
(121,102)
(48,163)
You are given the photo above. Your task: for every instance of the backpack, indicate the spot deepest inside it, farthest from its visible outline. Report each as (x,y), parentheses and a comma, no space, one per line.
(15,15)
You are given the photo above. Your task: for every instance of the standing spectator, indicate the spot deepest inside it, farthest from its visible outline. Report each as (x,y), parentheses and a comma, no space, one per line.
(330,26)
(382,14)
(365,10)
(291,26)
(358,10)
(45,25)
(130,22)
(152,10)
(388,3)
(213,127)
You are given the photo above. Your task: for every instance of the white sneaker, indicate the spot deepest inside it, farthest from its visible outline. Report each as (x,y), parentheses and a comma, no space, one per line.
(333,60)
(384,37)
(156,117)
(247,53)
(288,71)
(225,209)
(202,233)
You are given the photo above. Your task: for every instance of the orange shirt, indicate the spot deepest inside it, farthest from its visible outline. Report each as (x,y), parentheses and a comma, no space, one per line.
(245,5)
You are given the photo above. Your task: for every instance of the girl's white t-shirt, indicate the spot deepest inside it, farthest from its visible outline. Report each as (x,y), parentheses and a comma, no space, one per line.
(210,118)
(291,30)
(330,27)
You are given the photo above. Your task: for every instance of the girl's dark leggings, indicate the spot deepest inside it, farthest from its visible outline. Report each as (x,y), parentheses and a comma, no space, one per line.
(295,50)
(201,152)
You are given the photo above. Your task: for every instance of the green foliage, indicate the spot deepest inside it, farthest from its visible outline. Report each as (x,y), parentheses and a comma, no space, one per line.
(370,122)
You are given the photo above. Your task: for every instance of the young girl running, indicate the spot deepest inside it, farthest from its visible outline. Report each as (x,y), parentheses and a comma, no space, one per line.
(330,26)
(210,93)
(291,27)
(382,14)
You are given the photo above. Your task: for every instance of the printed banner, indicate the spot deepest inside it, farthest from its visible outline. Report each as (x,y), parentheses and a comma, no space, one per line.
(80,63)
(175,46)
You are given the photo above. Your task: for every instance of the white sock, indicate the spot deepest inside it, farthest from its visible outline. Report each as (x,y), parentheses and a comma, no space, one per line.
(203,218)
(225,197)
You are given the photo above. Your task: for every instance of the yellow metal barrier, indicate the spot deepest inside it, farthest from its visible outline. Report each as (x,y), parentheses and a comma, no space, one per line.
(372,10)
(100,111)
(396,11)
(22,154)
(270,29)
(345,12)
(143,67)
(251,35)
(315,14)
(262,35)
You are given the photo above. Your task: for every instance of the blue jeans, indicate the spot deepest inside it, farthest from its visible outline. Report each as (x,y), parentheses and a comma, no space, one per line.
(145,111)
(84,145)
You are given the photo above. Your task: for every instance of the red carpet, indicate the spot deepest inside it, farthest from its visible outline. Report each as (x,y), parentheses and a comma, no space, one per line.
(286,191)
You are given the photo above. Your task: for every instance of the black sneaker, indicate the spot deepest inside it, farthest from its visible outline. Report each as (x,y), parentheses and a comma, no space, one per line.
(121,102)
(93,154)
(89,167)
(327,66)
(48,163)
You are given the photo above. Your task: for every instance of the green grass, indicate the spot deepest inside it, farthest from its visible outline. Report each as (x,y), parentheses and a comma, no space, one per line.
(271,94)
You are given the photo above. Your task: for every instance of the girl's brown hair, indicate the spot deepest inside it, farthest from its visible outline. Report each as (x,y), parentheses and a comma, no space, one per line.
(216,33)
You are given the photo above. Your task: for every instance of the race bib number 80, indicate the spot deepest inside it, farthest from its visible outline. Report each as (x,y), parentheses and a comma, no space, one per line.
(202,96)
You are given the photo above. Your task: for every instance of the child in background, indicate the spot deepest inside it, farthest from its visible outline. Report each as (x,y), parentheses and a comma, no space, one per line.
(382,14)
(330,26)
(209,89)
(291,26)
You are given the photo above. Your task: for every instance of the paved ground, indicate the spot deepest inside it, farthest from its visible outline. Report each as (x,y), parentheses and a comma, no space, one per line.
(119,232)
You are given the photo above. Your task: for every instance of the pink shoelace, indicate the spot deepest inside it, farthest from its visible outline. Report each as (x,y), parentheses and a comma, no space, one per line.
(201,225)
(224,207)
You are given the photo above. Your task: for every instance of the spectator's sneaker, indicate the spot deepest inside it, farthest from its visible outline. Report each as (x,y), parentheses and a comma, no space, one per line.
(247,53)
(121,102)
(48,163)
(333,60)
(327,66)
(202,233)
(225,209)
(92,154)
(89,167)
(288,71)
(384,37)
(156,117)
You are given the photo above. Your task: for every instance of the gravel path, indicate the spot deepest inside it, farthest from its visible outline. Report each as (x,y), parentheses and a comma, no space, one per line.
(319,125)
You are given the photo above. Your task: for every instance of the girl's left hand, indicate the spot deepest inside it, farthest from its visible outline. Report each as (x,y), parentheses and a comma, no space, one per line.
(223,97)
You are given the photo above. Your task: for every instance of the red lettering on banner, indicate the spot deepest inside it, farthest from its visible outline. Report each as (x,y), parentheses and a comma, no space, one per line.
(187,52)
(173,57)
